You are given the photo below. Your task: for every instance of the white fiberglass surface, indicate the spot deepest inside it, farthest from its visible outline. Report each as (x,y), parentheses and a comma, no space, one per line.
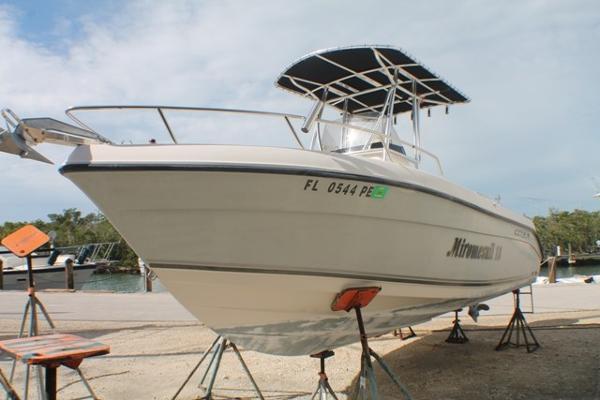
(9,260)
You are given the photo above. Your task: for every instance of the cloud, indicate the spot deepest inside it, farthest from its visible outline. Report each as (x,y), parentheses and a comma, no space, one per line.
(529,68)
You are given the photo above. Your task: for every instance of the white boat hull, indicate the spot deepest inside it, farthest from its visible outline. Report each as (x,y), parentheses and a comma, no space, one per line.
(256,242)
(48,277)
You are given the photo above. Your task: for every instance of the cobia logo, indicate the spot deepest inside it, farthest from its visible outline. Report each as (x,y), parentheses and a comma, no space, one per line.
(463,249)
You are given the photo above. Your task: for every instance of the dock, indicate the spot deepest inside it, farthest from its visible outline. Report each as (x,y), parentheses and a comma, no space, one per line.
(155,342)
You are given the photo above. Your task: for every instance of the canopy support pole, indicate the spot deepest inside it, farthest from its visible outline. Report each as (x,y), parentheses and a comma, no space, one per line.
(416,122)
(344,138)
(390,115)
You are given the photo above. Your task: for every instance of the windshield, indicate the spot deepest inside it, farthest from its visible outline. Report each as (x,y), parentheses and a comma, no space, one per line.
(340,139)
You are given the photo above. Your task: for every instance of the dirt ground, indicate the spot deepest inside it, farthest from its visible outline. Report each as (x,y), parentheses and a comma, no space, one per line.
(149,360)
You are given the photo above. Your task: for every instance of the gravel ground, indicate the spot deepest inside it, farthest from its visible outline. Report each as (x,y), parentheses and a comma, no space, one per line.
(149,360)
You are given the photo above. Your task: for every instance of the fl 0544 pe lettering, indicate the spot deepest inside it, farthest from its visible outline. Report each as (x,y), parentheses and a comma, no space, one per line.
(348,189)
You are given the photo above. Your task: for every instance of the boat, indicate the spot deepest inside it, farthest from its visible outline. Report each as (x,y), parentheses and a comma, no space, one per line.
(49,266)
(257,241)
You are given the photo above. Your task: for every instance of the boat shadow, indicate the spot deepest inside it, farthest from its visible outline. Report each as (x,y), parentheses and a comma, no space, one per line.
(97,332)
(565,367)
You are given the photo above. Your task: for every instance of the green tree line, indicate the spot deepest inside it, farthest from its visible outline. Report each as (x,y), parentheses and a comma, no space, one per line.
(579,228)
(73,228)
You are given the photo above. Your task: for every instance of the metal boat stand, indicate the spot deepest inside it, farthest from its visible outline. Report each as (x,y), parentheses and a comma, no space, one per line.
(30,315)
(366,386)
(457,335)
(411,333)
(323,387)
(217,348)
(8,388)
(518,323)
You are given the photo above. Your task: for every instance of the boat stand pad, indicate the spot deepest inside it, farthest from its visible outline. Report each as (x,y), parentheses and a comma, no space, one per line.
(353,298)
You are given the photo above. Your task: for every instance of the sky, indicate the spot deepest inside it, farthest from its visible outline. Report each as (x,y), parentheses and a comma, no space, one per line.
(530,135)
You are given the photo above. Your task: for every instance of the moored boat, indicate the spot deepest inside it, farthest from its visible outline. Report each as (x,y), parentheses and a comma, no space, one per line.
(49,266)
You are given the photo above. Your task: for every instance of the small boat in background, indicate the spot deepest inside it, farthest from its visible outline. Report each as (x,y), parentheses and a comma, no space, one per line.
(49,266)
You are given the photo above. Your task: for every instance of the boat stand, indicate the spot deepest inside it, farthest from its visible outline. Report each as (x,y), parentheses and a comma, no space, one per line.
(217,348)
(30,315)
(518,323)
(323,387)
(8,388)
(32,307)
(457,335)
(411,333)
(366,386)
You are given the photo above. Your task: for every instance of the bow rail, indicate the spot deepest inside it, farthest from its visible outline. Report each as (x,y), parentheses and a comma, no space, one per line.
(22,135)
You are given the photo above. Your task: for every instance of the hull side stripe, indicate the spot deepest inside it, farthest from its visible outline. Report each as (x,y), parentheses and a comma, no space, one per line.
(411,280)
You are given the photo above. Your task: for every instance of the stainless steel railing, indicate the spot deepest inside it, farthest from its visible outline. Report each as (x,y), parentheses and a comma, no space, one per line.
(161,113)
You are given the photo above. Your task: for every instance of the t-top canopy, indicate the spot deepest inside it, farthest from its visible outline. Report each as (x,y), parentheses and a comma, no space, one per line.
(364,75)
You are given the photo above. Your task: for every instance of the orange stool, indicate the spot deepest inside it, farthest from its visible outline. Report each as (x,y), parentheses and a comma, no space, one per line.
(52,351)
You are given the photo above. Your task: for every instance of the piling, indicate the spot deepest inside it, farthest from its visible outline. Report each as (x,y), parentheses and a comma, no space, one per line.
(146,273)
(69,281)
(148,277)
(552,269)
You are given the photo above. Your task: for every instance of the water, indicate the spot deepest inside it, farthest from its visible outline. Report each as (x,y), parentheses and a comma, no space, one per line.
(568,272)
(121,282)
(129,283)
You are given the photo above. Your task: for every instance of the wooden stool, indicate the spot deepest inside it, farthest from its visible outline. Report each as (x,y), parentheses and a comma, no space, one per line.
(52,351)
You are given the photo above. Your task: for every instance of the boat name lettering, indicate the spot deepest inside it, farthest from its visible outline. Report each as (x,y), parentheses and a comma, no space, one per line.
(463,249)
(347,189)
